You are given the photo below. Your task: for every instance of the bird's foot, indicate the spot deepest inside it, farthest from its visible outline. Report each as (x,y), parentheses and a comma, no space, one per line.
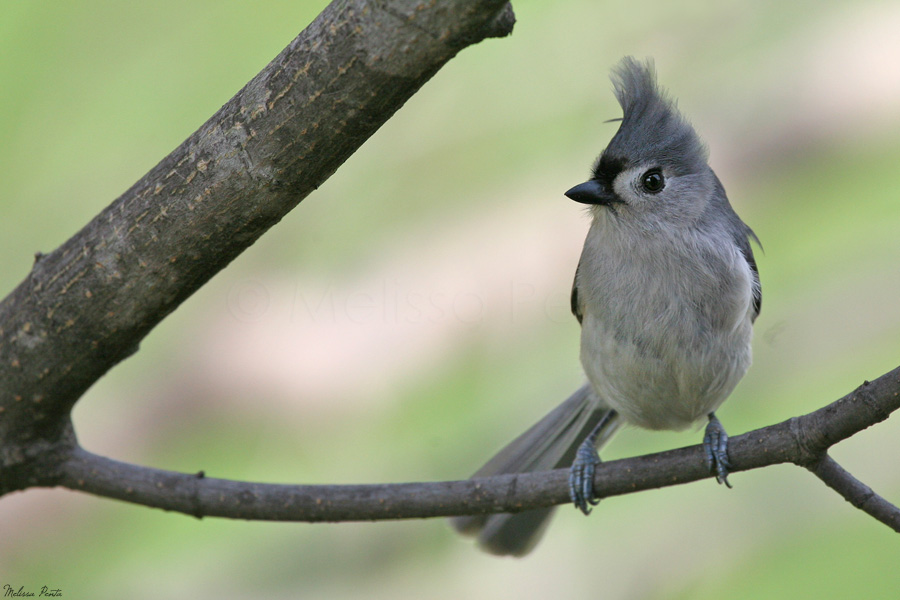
(581,476)
(715,443)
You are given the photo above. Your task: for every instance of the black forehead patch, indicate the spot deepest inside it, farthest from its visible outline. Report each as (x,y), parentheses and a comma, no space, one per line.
(608,167)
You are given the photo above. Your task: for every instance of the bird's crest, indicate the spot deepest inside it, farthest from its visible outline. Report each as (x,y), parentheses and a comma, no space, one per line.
(652,127)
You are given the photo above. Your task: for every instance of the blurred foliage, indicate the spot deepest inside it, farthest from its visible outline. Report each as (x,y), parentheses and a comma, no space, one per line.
(800,104)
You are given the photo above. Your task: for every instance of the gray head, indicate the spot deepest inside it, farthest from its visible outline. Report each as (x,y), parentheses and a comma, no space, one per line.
(654,169)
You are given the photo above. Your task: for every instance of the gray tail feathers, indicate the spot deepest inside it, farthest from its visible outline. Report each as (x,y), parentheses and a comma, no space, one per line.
(549,444)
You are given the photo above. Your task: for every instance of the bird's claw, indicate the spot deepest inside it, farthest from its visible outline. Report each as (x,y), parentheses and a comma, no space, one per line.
(715,443)
(581,477)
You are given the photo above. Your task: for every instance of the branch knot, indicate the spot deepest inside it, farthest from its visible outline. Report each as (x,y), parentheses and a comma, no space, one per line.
(808,440)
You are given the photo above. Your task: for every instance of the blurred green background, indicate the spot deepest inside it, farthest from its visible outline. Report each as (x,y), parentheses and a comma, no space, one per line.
(410,316)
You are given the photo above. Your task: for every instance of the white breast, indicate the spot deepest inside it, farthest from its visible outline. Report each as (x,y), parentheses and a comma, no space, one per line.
(666,324)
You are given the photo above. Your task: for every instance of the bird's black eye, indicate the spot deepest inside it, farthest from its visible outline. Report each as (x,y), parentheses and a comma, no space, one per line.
(652,181)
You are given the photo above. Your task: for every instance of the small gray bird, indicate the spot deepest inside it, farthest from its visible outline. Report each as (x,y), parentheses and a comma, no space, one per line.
(666,292)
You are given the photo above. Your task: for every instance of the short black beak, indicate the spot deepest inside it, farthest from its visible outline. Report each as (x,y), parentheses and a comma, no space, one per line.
(592,192)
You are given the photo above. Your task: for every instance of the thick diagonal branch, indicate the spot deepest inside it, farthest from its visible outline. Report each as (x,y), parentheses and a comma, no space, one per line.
(86,306)
(800,440)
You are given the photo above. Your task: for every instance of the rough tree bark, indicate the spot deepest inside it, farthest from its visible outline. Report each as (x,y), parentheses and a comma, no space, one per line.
(87,305)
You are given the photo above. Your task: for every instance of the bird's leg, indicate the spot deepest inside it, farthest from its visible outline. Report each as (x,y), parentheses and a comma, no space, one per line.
(581,475)
(715,443)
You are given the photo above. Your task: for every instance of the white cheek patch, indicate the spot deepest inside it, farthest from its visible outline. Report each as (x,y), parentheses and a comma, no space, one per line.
(624,185)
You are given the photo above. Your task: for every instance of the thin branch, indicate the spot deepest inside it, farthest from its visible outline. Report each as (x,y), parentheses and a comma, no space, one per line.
(800,440)
(87,305)
(856,492)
